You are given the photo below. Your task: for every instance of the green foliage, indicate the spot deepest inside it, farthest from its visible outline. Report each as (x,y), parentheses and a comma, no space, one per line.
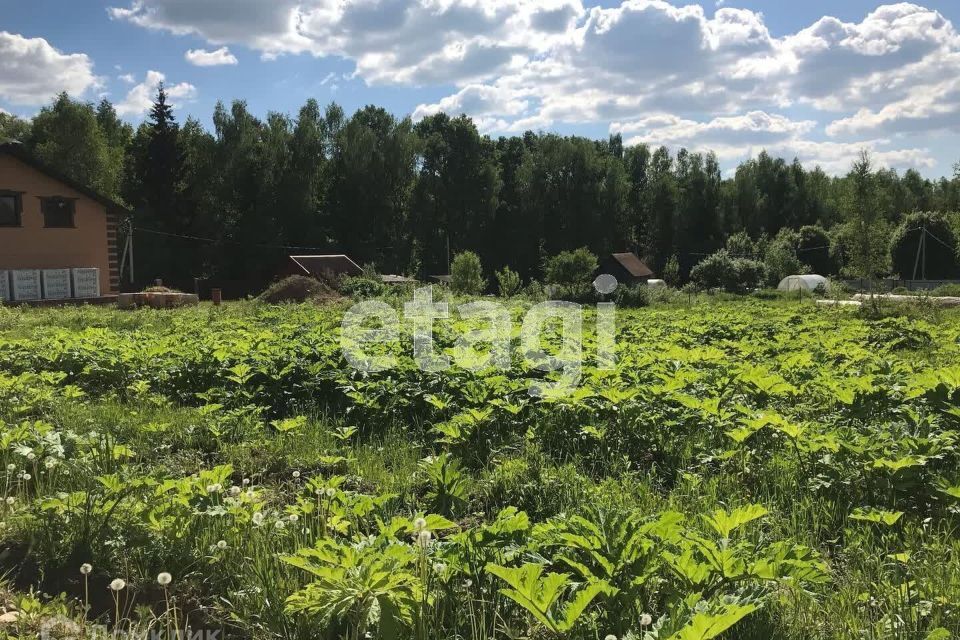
(721,271)
(780,261)
(466,274)
(671,272)
(933,258)
(508,282)
(572,269)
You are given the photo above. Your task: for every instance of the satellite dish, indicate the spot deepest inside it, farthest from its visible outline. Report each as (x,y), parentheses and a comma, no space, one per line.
(605,284)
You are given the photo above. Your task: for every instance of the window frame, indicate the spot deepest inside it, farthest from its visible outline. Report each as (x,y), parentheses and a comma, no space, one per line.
(47,200)
(17,208)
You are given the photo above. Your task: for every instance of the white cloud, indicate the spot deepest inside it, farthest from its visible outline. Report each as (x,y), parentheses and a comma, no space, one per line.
(477,100)
(723,80)
(32,71)
(140,98)
(204,58)
(127,77)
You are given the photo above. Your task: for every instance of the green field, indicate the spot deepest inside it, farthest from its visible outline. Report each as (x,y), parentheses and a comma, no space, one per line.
(748,469)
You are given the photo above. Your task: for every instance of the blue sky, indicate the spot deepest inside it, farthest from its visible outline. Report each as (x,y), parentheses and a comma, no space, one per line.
(817,80)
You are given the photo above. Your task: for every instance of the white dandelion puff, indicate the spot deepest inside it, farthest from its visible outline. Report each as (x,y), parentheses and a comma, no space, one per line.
(117,584)
(163,579)
(86,568)
(419,524)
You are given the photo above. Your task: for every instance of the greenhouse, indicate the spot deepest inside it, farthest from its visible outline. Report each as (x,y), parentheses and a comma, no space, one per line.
(808,282)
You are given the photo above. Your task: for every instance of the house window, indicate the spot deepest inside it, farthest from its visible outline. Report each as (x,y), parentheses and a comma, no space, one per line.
(9,209)
(57,212)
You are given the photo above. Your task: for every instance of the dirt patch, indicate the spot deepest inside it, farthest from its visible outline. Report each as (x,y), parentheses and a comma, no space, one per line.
(298,289)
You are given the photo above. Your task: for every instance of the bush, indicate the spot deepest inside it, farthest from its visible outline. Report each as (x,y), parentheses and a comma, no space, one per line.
(781,261)
(361,287)
(671,271)
(720,271)
(633,296)
(740,245)
(571,268)
(947,290)
(296,289)
(508,282)
(535,291)
(466,274)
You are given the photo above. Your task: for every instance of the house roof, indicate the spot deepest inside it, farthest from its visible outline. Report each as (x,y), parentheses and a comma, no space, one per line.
(316,266)
(632,264)
(18,151)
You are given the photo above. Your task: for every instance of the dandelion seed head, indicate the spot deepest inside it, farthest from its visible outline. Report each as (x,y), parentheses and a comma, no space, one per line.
(117,584)
(610,636)
(294,517)
(221,544)
(31,456)
(86,568)
(280,525)
(11,500)
(234,491)
(296,474)
(258,518)
(164,579)
(331,492)
(423,538)
(646,620)
(246,481)
(11,467)
(27,476)
(419,524)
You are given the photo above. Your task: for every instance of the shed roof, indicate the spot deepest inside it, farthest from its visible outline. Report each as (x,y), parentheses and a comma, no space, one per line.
(632,264)
(18,151)
(337,264)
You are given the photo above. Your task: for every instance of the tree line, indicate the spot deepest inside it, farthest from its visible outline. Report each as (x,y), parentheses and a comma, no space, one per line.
(232,202)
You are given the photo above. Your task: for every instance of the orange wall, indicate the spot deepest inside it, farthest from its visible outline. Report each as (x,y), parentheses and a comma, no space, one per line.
(31,246)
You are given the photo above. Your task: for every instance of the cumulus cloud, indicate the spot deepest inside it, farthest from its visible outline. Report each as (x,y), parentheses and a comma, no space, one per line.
(140,98)
(722,80)
(32,71)
(204,58)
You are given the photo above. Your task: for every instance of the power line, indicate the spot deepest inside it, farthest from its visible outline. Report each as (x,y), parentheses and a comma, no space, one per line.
(223,241)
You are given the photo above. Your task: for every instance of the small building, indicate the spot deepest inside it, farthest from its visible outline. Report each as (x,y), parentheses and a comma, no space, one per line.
(627,268)
(50,221)
(441,278)
(330,267)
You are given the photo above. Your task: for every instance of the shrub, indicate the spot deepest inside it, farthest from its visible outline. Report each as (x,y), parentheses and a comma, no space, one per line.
(361,287)
(740,245)
(720,271)
(508,282)
(633,296)
(466,274)
(571,268)
(535,291)
(671,271)
(781,261)
(947,290)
